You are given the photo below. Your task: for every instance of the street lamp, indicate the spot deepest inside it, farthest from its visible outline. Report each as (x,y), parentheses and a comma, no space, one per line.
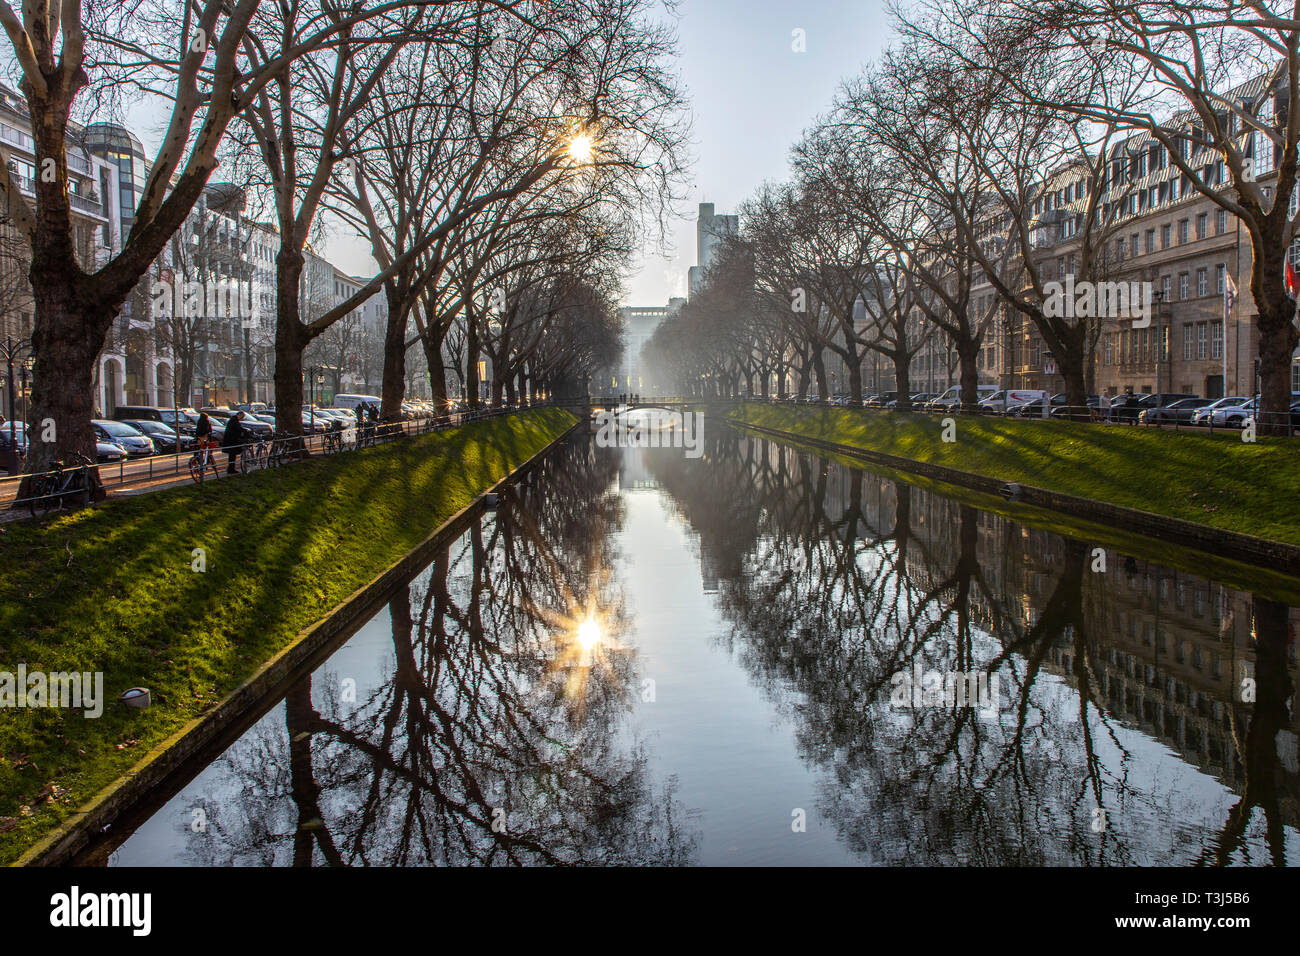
(27,366)
(315,378)
(14,352)
(1158,296)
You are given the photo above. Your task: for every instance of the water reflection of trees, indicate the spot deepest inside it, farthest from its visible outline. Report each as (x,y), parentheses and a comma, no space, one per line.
(496,738)
(835,580)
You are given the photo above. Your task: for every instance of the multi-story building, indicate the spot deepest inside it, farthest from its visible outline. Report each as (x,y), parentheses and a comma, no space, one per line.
(1182,248)
(639,324)
(710,230)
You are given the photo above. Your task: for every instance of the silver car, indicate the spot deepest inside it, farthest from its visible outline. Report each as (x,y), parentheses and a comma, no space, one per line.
(1204,416)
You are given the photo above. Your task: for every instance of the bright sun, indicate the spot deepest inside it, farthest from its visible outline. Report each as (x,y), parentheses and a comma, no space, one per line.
(589,633)
(581,148)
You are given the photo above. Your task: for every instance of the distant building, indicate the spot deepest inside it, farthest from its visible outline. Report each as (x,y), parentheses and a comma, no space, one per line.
(710,230)
(639,323)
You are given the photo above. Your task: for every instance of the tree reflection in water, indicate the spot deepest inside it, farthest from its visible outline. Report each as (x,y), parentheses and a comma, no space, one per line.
(835,579)
(497,737)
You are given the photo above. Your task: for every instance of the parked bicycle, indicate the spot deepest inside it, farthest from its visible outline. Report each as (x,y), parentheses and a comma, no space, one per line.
(202,460)
(256,455)
(279,452)
(62,485)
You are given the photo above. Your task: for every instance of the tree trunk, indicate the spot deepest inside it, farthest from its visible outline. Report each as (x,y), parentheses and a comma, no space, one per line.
(471,364)
(1277,336)
(393,387)
(903,379)
(969,377)
(290,340)
(68,335)
(819,370)
(855,383)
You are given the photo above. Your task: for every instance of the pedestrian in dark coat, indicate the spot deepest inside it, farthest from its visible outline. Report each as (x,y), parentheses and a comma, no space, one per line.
(233,440)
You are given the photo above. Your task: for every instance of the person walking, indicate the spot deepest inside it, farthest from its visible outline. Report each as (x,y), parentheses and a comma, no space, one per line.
(233,440)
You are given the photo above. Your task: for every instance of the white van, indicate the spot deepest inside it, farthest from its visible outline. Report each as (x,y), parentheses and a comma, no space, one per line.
(1002,402)
(350,402)
(952,398)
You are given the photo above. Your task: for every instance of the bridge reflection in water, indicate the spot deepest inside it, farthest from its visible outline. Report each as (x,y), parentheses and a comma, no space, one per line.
(642,657)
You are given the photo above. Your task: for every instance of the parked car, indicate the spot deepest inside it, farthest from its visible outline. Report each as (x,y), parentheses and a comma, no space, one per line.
(1203,416)
(1235,416)
(163,437)
(883,399)
(1034,407)
(1179,412)
(107,453)
(352,401)
(1129,407)
(1003,401)
(134,442)
(1093,403)
(255,427)
(170,417)
(915,402)
(951,399)
(19,440)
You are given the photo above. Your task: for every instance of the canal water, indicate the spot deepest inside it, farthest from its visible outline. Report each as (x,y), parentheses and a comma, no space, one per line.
(760,657)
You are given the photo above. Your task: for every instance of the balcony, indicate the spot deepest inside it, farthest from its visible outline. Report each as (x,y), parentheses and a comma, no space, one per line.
(92,206)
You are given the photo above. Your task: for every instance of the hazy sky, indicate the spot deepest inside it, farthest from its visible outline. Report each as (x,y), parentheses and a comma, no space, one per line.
(752,96)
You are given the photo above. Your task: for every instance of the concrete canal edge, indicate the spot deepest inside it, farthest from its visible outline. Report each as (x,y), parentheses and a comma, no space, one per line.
(1234,545)
(80,829)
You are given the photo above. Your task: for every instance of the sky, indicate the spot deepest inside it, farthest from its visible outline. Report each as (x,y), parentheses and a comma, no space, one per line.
(751,96)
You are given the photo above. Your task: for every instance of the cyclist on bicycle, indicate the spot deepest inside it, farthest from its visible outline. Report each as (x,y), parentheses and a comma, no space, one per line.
(203,430)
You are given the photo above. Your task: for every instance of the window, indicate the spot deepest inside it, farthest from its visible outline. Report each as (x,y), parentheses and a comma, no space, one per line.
(1264,153)
(1165,232)
(1164,287)
(1182,231)
(1202,225)
(1151,240)
(1202,283)
(1182,285)
(1110,348)
(1216,340)
(1133,243)
(1219,272)
(1202,330)
(1221,221)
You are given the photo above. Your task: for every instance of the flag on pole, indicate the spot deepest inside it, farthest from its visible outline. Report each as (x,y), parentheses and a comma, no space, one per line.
(1229,297)
(1291,284)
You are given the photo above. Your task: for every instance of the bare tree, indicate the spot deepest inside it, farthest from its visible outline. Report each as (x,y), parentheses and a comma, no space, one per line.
(1213,82)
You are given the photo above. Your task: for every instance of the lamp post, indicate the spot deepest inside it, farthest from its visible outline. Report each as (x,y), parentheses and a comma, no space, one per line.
(315,378)
(27,366)
(14,352)
(1158,296)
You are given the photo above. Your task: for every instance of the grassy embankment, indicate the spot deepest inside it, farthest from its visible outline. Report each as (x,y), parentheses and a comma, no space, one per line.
(112,589)
(1216,480)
